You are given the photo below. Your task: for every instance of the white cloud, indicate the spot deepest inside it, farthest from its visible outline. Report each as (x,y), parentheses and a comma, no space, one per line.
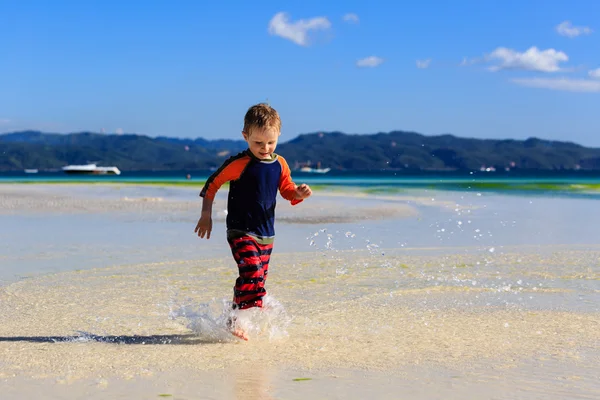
(372,61)
(564,84)
(119,131)
(351,18)
(423,63)
(533,59)
(567,29)
(296,31)
(595,73)
(4,121)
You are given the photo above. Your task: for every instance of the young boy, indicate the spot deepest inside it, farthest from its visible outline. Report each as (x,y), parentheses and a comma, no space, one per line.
(255,176)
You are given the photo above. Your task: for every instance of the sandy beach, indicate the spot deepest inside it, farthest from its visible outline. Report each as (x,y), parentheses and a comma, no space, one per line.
(105,292)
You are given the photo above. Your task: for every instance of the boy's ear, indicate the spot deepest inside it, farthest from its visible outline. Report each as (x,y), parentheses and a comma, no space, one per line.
(245,135)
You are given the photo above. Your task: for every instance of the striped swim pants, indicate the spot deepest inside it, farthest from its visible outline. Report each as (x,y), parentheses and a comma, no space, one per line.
(252,259)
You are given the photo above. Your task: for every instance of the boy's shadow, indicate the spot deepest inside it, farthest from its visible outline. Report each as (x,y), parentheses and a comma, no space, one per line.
(120,339)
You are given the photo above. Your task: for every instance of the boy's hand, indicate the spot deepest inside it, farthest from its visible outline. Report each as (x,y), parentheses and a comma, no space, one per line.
(204,226)
(303,191)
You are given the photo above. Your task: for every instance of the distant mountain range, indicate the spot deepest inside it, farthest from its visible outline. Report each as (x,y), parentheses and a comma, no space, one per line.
(395,150)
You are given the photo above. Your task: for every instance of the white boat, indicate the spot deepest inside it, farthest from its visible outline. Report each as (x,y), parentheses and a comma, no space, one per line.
(31,171)
(315,170)
(91,169)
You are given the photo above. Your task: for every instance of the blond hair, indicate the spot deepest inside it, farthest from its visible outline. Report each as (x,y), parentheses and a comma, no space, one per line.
(261,116)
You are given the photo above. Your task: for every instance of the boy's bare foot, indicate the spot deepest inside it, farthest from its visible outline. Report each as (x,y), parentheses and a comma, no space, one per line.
(240,333)
(235,331)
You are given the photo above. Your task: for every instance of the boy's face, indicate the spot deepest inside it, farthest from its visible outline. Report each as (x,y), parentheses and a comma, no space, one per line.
(262,142)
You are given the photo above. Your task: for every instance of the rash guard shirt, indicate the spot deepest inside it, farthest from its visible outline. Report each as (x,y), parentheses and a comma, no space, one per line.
(253,188)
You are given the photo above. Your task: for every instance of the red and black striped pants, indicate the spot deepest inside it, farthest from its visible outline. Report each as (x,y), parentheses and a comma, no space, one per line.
(252,259)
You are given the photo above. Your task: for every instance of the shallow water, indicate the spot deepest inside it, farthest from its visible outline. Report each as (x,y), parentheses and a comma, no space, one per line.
(541,380)
(415,304)
(354,311)
(55,228)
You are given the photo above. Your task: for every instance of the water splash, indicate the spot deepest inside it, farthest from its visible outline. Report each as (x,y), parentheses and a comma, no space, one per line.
(207,320)
(212,320)
(270,321)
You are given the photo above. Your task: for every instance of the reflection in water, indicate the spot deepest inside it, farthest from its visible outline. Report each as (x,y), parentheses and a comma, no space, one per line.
(252,383)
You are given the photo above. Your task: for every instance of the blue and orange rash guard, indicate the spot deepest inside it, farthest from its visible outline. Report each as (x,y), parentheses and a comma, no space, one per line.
(252,193)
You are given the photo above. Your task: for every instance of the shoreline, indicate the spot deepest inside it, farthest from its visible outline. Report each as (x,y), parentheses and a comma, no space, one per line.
(15,199)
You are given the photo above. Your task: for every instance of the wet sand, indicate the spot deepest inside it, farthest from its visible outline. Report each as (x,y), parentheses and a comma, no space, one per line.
(174,203)
(346,318)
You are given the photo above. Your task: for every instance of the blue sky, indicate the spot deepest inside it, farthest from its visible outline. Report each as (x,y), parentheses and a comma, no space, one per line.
(484,69)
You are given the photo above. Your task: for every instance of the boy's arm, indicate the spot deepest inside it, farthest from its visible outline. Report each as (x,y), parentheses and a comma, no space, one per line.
(230,170)
(204,225)
(288,189)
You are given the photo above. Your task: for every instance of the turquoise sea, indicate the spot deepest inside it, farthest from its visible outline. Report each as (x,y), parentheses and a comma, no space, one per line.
(584,184)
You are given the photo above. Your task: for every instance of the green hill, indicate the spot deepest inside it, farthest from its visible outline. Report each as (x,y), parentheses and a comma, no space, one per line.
(394,150)
(406,150)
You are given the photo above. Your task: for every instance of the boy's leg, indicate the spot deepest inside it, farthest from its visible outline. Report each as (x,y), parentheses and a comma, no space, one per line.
(252,259)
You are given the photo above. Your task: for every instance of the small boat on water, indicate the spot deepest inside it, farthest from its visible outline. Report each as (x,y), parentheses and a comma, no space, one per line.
(315,170)
(307,168)
(31,171)
(91,169)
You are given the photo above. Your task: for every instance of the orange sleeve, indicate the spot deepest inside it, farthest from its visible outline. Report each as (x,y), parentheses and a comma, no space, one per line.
(229,171)
(287,187)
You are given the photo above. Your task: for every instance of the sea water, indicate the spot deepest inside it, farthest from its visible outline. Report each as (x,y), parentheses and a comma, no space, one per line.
(473,288)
